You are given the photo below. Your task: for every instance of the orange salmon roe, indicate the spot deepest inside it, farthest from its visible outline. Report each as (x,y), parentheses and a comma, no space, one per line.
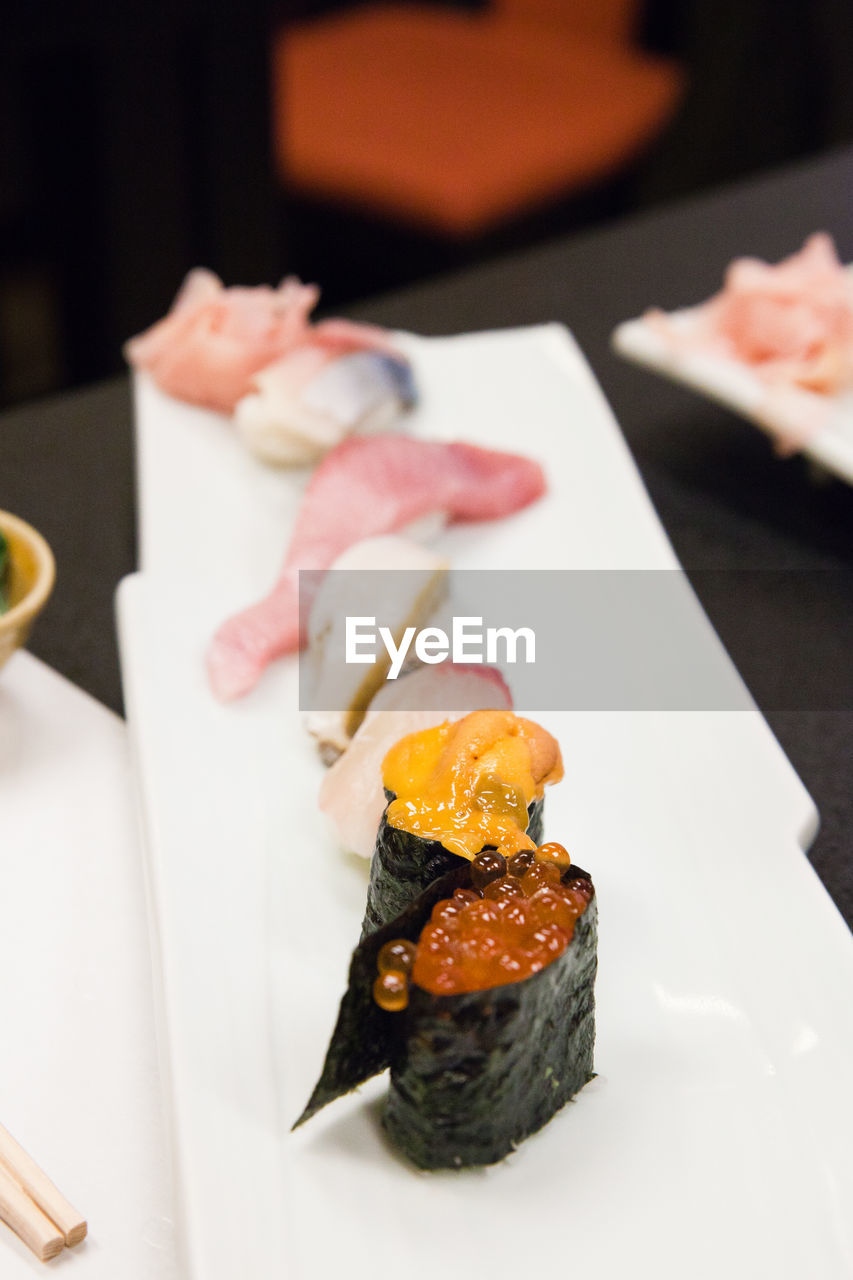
(396,957)
(517,927)
(553,852)
(391,991)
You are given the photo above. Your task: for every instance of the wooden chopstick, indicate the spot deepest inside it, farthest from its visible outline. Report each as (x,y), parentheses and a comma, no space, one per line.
(27,1220)
(20,1169)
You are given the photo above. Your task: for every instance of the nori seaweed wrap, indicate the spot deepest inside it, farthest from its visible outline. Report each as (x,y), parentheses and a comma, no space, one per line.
(403,865)
(474,1073)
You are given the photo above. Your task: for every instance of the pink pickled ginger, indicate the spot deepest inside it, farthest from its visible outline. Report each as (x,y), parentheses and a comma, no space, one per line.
(213,341)
(791,323)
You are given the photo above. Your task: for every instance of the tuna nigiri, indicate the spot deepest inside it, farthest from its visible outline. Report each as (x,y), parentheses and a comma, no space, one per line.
(367,486)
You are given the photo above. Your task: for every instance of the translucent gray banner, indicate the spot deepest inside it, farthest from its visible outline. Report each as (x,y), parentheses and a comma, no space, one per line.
(576,640)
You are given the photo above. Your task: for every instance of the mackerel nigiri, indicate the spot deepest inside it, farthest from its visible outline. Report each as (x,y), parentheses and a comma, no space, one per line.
(368,485)
(304,404)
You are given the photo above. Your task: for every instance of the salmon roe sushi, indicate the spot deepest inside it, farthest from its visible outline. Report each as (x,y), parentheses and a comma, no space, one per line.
(517,917)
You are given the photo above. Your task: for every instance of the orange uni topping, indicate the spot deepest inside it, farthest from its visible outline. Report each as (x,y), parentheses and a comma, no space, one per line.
(469,783)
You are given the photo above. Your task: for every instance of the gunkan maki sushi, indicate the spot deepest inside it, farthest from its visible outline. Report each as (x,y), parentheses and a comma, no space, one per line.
(452,791)
(479,997)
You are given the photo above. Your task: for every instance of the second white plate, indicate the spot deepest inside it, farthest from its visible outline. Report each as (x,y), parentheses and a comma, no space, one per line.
(781,413)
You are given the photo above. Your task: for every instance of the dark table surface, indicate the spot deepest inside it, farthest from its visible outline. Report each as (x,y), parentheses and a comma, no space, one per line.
(725,500)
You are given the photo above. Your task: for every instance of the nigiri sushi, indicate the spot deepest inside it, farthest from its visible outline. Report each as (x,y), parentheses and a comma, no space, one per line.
(368,485)
(453,791)
(304,404)
(351,793)
(408,585)
(479,996)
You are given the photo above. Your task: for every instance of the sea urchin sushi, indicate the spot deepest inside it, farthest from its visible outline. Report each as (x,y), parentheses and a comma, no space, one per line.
(453,791)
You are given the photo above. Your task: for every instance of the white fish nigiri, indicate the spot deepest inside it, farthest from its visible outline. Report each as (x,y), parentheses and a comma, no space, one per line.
(351,793)
(398,599)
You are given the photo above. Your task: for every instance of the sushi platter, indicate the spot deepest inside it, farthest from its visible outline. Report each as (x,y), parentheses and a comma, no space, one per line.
(708,1142)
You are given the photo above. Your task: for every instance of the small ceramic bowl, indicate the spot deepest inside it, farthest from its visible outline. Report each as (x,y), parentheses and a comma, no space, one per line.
(29,583)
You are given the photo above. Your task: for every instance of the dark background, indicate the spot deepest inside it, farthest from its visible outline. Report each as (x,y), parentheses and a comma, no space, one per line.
(135,143)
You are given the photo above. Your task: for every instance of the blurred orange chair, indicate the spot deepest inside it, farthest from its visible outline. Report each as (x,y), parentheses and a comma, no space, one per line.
(457,123)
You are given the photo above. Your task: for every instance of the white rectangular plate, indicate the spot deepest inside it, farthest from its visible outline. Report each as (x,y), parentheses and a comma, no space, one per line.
(780,413)
(79,1085)
(712,1140)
